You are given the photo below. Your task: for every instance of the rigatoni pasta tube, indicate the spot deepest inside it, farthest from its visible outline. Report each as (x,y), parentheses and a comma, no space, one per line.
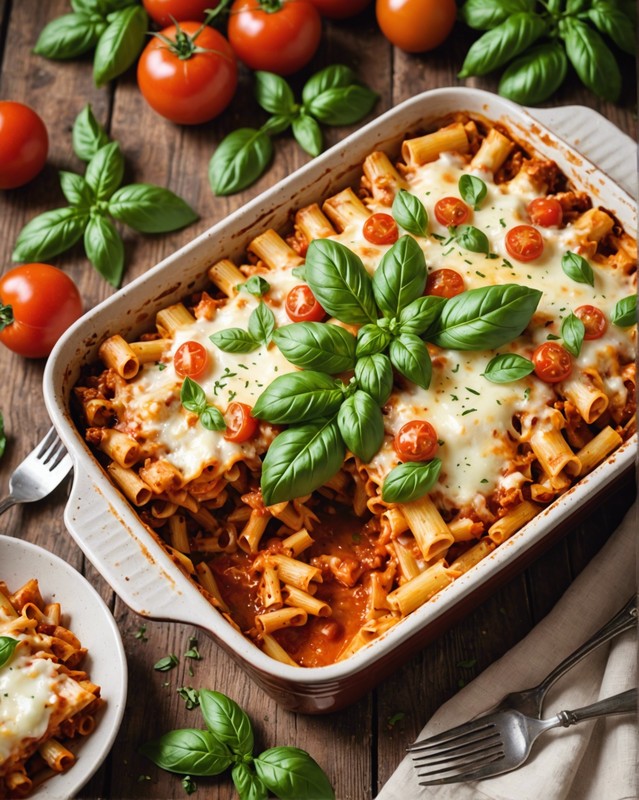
(170,319)
(492,152)
(418,590)
(120,447)
(286,617)
(131,484)
(421,150)
(153,350)
(226,276)
(118,355)
(554,453)
(270,248)
(313,223)
(301,599)
(429,529)
(345,208)
(598,448)
(274,649)
(512,521)
(295,572)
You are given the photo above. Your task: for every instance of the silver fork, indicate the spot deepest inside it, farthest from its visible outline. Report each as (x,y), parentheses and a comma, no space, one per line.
(42,470)
(501,742)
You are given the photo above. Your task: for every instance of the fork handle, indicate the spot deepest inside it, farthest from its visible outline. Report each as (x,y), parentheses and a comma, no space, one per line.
(617,704)
(7,503)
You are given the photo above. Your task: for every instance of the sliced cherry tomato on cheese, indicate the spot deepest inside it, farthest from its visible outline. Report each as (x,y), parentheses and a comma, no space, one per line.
(416,441)
(552,362)
(302,306)
(240,425)
(190,359)
(381,229)
(444,283)
(545,211)
(451,211)
(594,321)
(524,243)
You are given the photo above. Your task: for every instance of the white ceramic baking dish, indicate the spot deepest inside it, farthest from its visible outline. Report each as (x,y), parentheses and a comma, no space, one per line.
(134,563)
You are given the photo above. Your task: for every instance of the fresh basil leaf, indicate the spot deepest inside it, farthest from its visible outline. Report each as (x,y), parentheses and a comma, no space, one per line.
(577,268)
(240,159)
(339,281)
(167,663)
(409,355)
(614,23)
(7,647)
(486,14)
(400,276)
(120,44)
(290,774)
(105,249)
(320,346)
(274,94)
(624,314)
(572,332)
(212,419)
(105,171)
(374,375)
(50,234)
(76,190)
(261,324)
(248,785)
(333,77)
(192,396)
(508,367)
(109,6)
(592,60)
(308,134)
(372,339)
(276,124)
(419,315)
(86,6)
(342,105)
(361,424)
(410,481)
(299,272)
(485,318)
(69,36)
(409,212)
(255,285)
(299,397)
(501,44)
(150,209)
(227,721)
(234,340)
(473,190)
(300,460)
(535,75)
(189,752)
(88,135)
(471,238)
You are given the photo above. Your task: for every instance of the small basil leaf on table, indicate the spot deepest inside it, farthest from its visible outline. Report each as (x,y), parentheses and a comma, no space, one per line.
(248,785)
(409,212)
(419,315)
(50,234)
(76,190)
(274,94)
(333,77)
(508,367)
(189,752)
(624,313)
(614,23)
(70,35)
(374,375)
(261,324)
(105,249)
(572,332)
(227,721)
(150,209)
(361,424)
(486,14)
(88,135)
(473,190)
(240,159)
(234,340)
(342,105)
(308,134)
(105,171)
(400,276)
(496,47)
(410,481)
(372,339)
(299,397)
(120,44)
(7,648)
(592,59)
(535,75)
(291,774)
(577,268)
(317,345)
(409,355)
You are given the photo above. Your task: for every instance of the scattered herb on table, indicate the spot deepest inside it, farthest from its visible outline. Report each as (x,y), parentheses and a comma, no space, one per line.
(167,663)
(190,696)
(287,772)
(140,634)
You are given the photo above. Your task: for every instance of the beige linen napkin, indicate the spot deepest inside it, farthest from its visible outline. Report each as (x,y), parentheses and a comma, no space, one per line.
(591,761)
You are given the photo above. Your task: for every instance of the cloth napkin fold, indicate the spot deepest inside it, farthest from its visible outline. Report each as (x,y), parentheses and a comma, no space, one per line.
(594,760)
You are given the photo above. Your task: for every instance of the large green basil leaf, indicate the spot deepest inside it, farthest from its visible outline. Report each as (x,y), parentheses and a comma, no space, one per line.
(486,14)
(299,397)
(400,276)
(120,44)
(374,375)
(300,460)
(261,324)
(508,367)
(76,190)
(50,234)
(535,75)
(88,135)
(192,396)
(70,35)
(420,314)
(291,774)
(105,249)
(333,77)
(577,268)
(501,44)
(248,785)
(227,721)
(361,424)
(189,752)
(410,481)
(339,281)
(471,238)
(317,345)
(234,340)
(409,212)
(372,339)
(592,59)
(150,209)
(7,646)
(342,105)
(105,170)
(473,190)
(485,318)
(614,23)
(240,159)
(409,355)
(274,94)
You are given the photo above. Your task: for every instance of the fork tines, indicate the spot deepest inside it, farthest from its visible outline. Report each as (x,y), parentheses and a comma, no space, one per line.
(51,450)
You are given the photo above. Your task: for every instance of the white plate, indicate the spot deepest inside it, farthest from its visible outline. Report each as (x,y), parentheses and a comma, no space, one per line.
(89,618)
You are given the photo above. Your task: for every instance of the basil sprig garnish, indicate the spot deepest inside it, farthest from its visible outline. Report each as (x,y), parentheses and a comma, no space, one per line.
(473,190)
(332,96)
(508,367)
(411,480)
(7,648)
(299,396)
(577,268)
(316,345)
(193,398)
(624,314)
(572,332)
(261,327)
(94,200)
(409,212)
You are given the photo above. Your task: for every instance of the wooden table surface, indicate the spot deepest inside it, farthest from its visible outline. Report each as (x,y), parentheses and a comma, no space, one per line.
(361,746)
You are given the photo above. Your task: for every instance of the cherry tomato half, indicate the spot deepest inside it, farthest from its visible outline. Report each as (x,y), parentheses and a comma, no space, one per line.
(240,425)
(37,304)
(380,229)
(191,81)
(24,144)
(167,12)
(524,243)
(451,211)
(340,9)
(416,441)
(302,306)
(416,25)
(444,283)
(545,211)
(190,359)
(552,362)
(282,41)
(594,321)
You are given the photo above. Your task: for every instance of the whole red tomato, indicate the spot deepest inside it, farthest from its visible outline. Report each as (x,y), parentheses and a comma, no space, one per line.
(167,12)
(416,25)
(37,304)
(191,80)
(24,144)
(340,9)
(282,39)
